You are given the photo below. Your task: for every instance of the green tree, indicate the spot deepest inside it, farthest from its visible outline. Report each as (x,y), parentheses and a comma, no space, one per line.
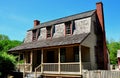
(7,61)
(113,46)
(7,64)
(3,37)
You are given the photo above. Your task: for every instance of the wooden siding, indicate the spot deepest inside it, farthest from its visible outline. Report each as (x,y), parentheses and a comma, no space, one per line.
(101,74)
(80,26)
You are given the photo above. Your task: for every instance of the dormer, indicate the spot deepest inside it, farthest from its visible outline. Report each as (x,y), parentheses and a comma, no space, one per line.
(49,32)
(35,34)
(68,27)
(62,27)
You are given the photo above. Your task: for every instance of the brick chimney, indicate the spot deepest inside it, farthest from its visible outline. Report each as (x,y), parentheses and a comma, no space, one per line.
(36,22)
(100,14)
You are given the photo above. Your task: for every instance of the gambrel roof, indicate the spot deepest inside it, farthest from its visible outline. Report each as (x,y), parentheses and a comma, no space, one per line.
(65,19)
(65,40)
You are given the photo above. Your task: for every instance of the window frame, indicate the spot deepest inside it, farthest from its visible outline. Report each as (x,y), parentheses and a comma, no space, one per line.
(50,32)
(68,30)
(76,53)
(35,34)
(62,55)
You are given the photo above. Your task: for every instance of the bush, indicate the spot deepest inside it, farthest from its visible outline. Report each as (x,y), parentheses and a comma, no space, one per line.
(7,64)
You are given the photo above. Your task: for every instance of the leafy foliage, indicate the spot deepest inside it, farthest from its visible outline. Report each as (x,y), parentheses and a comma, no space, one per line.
(3,37)
(7,61)
(113,46)
(8,44)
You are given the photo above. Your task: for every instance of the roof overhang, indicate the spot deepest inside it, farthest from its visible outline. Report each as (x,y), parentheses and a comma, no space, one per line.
(62,41)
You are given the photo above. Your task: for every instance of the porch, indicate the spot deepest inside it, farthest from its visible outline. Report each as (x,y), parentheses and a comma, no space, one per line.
(67,60)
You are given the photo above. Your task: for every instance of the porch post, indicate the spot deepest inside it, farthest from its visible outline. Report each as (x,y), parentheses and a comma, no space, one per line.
(80,61)
(19,61)
(31,60)
(24,64)
(42,61)
(19,58)
(58,60)
(24,55)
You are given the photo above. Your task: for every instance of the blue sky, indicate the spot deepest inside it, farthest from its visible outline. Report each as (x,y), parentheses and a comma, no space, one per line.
(16,16)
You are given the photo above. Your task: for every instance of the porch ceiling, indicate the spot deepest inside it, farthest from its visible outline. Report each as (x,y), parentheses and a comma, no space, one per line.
(67,40)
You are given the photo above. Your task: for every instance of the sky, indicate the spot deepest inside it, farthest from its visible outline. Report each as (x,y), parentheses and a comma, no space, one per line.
(17,16)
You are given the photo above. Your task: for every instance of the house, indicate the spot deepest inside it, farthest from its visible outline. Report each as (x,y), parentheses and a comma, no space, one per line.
(66,46)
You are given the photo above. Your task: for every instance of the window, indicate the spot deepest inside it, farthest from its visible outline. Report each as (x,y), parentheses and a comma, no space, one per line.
(36,34)
(68,27)
(76,53)
(62,54)
(49,34)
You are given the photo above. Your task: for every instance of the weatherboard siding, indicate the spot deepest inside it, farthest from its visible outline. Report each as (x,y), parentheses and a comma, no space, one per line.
(28,37)
(82,26)
(42,34)
(58,30)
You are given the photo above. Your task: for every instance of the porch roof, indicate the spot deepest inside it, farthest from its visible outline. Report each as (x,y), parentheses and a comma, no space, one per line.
(67,40)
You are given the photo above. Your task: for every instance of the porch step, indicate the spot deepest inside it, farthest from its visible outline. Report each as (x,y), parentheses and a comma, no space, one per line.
(32,75)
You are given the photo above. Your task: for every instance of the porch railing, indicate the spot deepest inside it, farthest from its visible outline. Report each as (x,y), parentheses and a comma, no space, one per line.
(24,67)
(70,67)
(56,68)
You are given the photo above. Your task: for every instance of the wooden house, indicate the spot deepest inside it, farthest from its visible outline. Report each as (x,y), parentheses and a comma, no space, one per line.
(66,46)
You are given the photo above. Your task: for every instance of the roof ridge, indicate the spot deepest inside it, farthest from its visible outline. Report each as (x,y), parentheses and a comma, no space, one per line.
(69,16)
(65,19)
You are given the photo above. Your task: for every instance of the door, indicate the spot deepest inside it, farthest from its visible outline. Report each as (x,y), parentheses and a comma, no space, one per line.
(36,59)
(38,62)
(50,57)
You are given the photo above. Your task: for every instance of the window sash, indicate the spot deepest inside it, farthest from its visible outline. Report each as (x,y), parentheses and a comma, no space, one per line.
(68,26)
(49,34)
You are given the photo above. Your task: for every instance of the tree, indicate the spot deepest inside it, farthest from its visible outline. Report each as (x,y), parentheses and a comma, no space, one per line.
(7,64)
(113,47)
(3,37)
(7,61)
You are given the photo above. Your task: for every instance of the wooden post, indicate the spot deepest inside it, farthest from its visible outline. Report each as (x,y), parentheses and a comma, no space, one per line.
(18,62)
(24,71)
(42,61)
(80,61)
(31,60)
(24,65)
(59,60)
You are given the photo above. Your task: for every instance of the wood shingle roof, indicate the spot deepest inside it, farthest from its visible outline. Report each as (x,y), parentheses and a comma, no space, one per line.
(67,40)
(65,19)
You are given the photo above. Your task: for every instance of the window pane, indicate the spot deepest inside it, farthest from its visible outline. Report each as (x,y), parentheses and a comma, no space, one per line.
(76,53)
(48,31)
(62,54)
(68,29)
(34,35)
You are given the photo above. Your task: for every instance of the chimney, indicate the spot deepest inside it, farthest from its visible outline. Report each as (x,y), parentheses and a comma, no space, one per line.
(100,14)
(99,10)
(36,22)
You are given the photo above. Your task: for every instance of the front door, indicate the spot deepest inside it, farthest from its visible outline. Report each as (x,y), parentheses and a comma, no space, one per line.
(50,57)
(36,59)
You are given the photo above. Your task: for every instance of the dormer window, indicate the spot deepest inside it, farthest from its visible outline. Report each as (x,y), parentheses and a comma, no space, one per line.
(68,28)
(36,34)
(49,31)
